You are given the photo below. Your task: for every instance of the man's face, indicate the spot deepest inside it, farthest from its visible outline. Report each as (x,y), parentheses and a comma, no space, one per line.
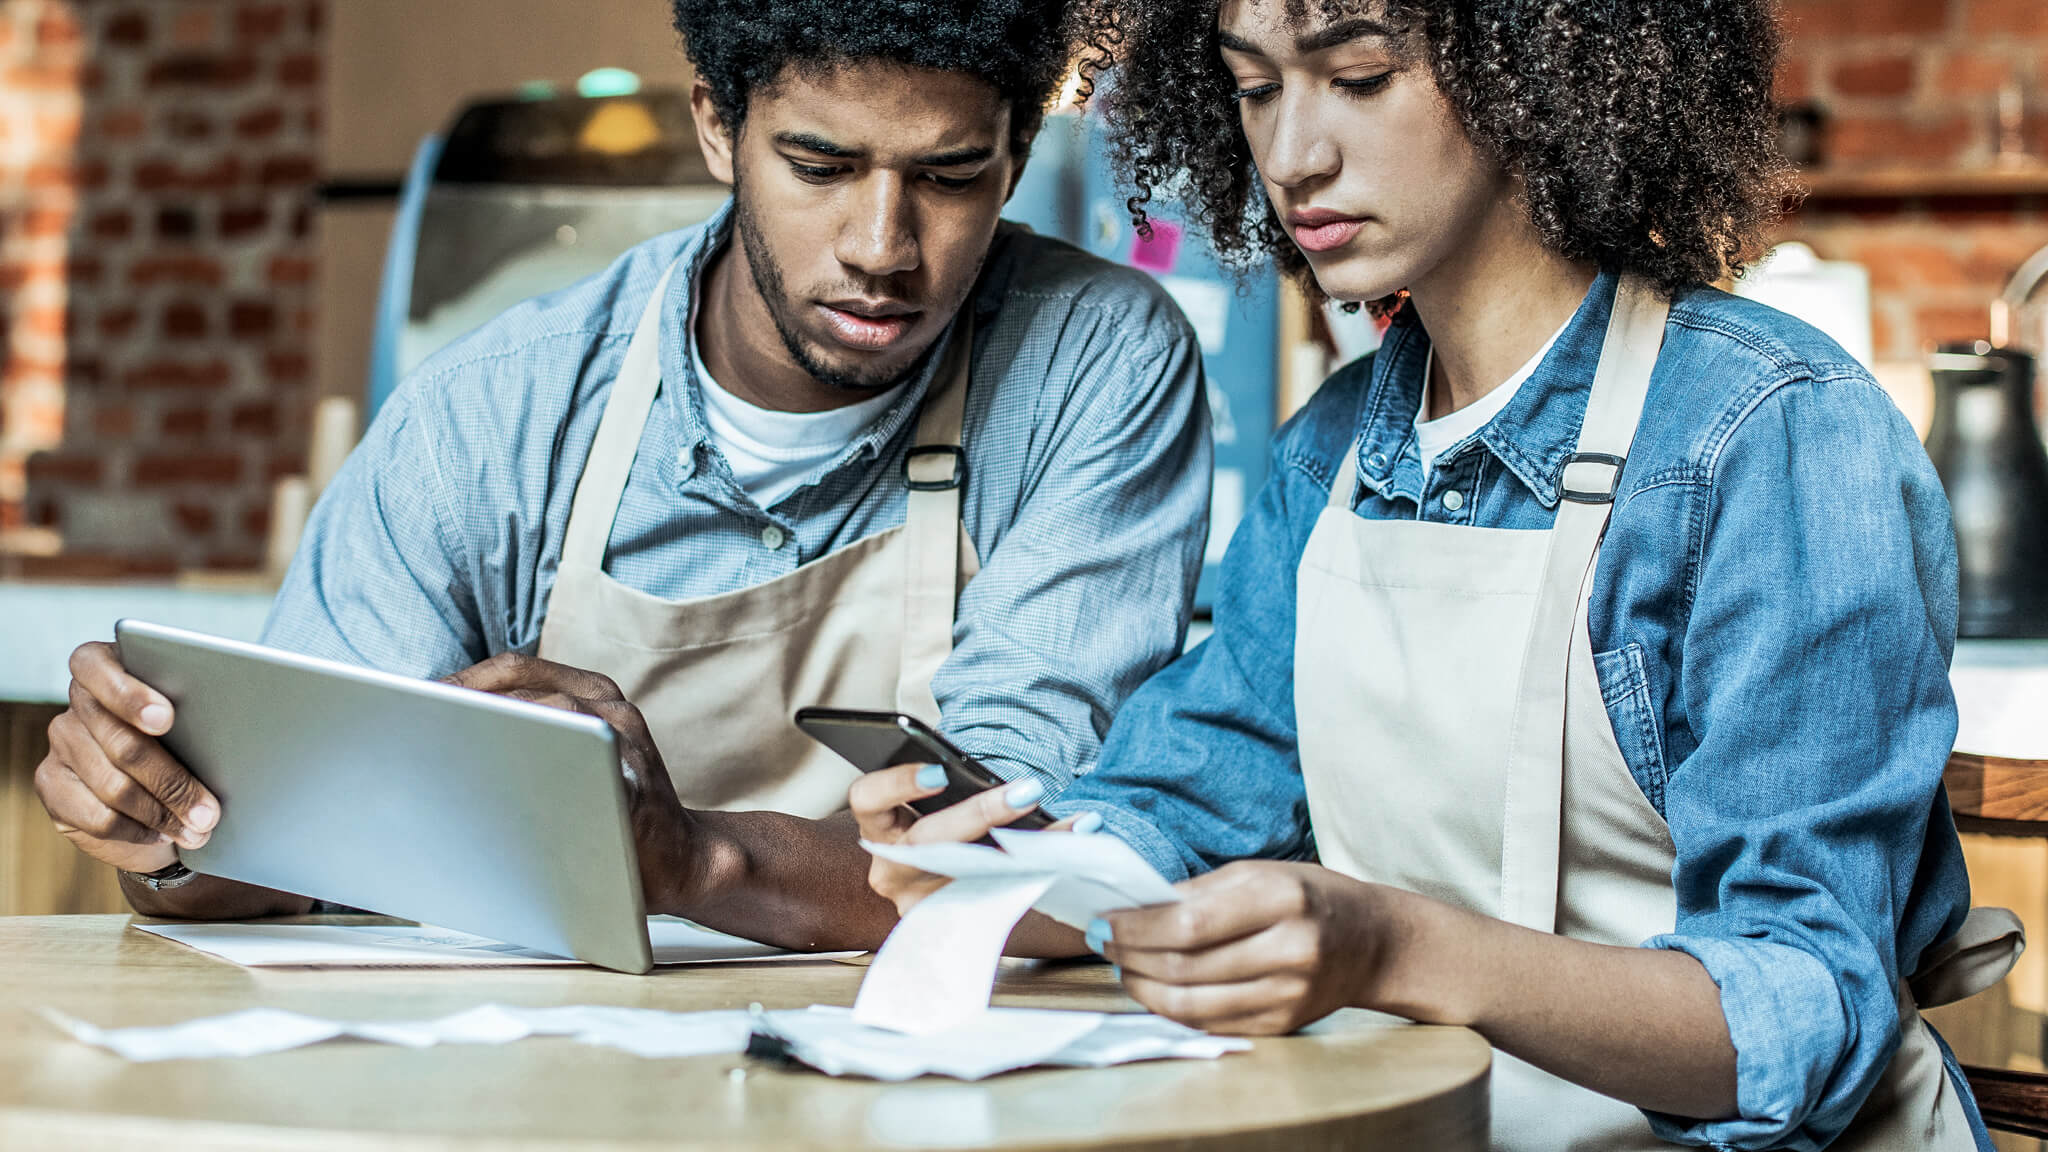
(866,196)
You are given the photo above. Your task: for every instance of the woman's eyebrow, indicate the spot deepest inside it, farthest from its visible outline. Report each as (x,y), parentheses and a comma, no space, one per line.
(1318,40)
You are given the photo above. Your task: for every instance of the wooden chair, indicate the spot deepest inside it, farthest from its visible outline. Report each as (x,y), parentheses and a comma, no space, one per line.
(2003,797)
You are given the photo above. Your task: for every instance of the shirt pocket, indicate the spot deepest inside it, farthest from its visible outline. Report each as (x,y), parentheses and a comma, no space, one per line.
(1625,689)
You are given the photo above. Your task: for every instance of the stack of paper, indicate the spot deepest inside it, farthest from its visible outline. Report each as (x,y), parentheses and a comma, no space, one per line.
(385,945)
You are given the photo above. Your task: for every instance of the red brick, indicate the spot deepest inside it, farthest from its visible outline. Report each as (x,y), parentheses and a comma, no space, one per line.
(1885,141)
(1795,81)
(260,124)
(2019,17)
(260,23)
(248,319)
(1829,19)
(291,271)
(231,560)
(44,514)
(185,322)
(47,322)
(299,71)
(193,519)
(58,28)
(202,70)
(290,171)
(163,469)
(188,422)
(259,419)
(177,223)
(1903,266)
(241,220)
(187,125)
(1878,76)
(159,174)
(287,368)
(1973,73)
(84,270)
(112,224)
(256,521)
(113,422)
(193,271)
(75,470)
(204,375)
(116,323)
(1950,325)
(127,29)
(284,464)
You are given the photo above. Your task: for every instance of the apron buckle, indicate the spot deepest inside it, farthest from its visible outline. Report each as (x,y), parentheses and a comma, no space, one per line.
(956,476)
(1567,490)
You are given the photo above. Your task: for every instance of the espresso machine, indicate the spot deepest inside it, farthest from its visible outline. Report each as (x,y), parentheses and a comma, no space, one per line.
(1986,445)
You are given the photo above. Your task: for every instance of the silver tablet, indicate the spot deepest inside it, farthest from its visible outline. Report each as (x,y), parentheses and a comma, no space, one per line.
(404,797)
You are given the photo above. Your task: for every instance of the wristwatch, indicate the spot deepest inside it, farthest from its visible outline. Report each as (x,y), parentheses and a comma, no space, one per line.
(174,875)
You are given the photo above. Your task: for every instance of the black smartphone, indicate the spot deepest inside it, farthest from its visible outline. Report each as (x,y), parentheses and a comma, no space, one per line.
(872,741)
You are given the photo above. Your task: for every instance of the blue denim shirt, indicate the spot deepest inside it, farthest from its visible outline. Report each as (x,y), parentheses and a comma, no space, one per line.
(1088,451)
(1772,619)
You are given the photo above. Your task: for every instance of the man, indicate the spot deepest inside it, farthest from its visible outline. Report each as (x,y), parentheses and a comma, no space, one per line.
(849,443)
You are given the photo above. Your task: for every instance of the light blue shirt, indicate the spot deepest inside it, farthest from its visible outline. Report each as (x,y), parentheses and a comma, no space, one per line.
(1087,440)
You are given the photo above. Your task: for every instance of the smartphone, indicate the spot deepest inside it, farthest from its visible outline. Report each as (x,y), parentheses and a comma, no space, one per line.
(872,741)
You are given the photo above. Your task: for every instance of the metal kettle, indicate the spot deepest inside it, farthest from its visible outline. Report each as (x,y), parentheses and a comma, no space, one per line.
(1988,451)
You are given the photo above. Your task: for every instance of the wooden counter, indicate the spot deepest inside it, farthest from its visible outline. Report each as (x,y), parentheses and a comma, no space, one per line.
(1358,1081)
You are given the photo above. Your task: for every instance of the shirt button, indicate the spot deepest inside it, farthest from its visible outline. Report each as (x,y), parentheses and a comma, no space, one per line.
(1377,460)
(1454,500)
(773,538)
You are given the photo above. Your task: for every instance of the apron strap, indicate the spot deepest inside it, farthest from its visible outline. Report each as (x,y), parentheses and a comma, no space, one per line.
(603,483)
(1344,492)
(1532,842)
(935,470)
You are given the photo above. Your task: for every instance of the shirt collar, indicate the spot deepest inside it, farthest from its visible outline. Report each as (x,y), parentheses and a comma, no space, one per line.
(1532,436)
(678,343)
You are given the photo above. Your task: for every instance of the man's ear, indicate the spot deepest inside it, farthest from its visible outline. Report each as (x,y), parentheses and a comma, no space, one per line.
(1020,149)
(716,140)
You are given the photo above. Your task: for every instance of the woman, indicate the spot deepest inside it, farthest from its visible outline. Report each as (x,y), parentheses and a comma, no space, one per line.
(1592,635)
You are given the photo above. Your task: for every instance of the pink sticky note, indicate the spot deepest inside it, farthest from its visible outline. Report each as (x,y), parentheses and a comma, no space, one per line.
(1160,252)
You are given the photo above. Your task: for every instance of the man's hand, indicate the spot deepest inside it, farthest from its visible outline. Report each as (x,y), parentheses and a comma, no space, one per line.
(107,783)
(1256,948)
(661,825)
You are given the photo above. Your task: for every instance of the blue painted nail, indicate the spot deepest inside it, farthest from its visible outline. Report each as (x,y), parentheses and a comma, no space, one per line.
(1099,935)
(1024,795)
(1088,823)
(931,776)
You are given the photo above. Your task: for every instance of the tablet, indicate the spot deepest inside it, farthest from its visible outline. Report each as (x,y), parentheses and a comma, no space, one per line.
(404,797)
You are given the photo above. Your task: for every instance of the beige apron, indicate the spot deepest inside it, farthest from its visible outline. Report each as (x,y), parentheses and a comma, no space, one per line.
(718,678)
(1455,743)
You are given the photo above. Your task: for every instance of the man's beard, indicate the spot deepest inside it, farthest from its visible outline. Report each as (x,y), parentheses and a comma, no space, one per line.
(768,283)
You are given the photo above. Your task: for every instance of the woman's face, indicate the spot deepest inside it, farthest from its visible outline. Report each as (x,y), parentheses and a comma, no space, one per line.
(1360,154)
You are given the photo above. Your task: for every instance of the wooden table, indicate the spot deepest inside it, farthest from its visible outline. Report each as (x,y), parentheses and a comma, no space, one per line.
(1356,1081)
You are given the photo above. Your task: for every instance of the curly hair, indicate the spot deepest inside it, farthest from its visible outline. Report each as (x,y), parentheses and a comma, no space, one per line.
(1642,130)
(1023,48)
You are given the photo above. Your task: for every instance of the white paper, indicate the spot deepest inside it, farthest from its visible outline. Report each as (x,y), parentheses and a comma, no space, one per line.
(827,1038)
(1094,875)
(937,967)
(642,1031)
(363,945)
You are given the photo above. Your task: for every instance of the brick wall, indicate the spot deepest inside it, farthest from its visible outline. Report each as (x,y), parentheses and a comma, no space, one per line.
(157,169)
(1914,84)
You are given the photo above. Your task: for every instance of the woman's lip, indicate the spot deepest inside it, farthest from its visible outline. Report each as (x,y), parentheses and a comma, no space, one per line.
(1326,236)
(868,333)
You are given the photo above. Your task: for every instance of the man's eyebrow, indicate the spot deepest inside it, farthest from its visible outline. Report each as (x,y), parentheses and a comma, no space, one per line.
(957,157)
(818,144)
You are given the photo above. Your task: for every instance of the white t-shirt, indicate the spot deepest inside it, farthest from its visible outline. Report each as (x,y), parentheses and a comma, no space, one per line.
(1433,437)
(773,453)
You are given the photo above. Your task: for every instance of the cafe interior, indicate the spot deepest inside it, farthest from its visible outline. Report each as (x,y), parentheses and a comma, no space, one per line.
(230,228)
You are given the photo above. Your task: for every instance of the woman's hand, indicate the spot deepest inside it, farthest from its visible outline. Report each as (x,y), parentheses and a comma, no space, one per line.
(879,801)
(1255,948)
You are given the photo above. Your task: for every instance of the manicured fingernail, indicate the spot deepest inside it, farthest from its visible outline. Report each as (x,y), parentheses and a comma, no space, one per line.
(201,817)
(931,776)
(1117,970)
(1024,795)
(156,718)
(1099,935)
(1088,823)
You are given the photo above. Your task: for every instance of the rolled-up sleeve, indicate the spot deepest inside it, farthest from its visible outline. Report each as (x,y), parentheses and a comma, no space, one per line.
(1815,681)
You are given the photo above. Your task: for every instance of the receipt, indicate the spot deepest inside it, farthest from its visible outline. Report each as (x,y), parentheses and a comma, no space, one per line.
(936,969)
(1092,875)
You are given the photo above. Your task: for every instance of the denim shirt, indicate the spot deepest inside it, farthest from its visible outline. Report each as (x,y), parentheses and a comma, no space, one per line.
(1088,452)
(1772,618)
